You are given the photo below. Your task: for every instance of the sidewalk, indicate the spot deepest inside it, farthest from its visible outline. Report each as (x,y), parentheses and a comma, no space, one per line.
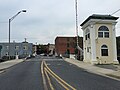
(7,64)
(108,71)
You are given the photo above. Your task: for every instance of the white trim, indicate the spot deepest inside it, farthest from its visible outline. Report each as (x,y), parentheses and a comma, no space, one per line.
(84,43)
(93,44)
(114,43)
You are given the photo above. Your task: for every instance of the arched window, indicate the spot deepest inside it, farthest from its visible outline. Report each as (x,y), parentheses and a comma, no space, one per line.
(103,32)
(104,50)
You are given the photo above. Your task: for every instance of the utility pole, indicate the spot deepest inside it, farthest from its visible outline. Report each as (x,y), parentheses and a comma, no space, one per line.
(77,37)
(76,22)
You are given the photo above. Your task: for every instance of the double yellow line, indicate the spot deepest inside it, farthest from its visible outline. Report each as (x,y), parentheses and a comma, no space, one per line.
(46,72)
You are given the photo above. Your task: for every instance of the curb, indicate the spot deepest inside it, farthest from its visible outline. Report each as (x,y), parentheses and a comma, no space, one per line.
(109,75)
(2,70)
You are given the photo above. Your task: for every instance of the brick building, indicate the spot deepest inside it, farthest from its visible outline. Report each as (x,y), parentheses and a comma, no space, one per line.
(67,45)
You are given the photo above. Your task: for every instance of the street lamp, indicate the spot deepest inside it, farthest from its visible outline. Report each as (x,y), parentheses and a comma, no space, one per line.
(9,27)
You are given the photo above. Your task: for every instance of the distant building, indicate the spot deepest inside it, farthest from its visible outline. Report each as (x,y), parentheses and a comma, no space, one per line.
(100,39)
(67,45)
(51,49)
(35,49)
(16,49)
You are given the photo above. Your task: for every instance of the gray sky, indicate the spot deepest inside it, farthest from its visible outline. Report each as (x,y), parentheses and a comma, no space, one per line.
(47,19)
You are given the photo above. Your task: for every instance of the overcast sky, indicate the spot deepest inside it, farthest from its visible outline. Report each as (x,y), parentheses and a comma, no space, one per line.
(47,19)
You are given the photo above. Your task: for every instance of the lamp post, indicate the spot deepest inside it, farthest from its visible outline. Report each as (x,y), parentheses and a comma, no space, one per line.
(9,27)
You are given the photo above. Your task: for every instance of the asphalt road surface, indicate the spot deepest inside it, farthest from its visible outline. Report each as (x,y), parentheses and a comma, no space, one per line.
(80,78)
(27,76)
(23,76)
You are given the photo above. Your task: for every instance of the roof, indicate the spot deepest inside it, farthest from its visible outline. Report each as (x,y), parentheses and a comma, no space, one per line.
(67,37)
(98,16)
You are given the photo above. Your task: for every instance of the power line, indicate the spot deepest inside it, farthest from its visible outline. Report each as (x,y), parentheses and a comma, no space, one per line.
(109,15)
(115,12)
(3,22)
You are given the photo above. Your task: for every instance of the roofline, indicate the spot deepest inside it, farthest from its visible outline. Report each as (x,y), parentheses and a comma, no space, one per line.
(96,16)
(67,36)
(13,43)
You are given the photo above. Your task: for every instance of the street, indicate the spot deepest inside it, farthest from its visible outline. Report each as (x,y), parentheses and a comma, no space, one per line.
(27,76)
(24,76)
(80,79)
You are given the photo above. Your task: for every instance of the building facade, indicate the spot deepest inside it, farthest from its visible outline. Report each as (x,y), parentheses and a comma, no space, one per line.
(19,50)
(51,49)
(99,39)
(67,45)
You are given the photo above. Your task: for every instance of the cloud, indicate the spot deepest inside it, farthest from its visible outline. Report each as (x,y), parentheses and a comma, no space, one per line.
(45,19)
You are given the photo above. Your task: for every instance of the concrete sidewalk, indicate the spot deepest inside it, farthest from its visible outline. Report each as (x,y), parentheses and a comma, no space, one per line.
(8,64)
(104,71)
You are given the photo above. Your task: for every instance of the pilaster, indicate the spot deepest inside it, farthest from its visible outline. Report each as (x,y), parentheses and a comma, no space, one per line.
(93,44)
(115,61)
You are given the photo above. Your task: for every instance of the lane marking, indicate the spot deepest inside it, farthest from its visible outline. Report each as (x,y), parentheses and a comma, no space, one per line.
(56,76)
(43,77)
(59,64)
(49,81)
(58,80)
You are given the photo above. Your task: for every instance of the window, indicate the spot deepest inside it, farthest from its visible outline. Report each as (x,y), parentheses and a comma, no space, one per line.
(104,50)
(106,34)
(87,34)
(7,53)
(100,34)
(85,37)
(68,45)
(87,49)
(103,32)
(7,47)
(16,53)
(25,47)
(16,47)
(68,39)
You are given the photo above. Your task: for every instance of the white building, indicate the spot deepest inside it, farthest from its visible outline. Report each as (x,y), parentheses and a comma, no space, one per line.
(99,39)
(51,49)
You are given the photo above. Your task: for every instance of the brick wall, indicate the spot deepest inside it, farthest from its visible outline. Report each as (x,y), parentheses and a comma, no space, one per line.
(63,44)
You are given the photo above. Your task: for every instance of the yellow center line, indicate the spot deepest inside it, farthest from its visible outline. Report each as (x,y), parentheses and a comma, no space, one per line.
(58,78)
(43,77)
(49,81)
(66,88)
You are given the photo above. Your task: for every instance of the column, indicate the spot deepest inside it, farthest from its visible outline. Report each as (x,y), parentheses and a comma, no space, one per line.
(115,61)
(93,45)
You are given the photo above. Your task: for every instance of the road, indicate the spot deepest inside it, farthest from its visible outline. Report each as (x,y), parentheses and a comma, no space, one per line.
(81,79)
(27,76)
(24,76)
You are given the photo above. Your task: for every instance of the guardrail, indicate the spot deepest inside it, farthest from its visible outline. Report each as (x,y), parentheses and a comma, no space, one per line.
(47,72)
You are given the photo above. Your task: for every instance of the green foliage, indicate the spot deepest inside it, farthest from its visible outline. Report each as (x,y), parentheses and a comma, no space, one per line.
(41,49)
